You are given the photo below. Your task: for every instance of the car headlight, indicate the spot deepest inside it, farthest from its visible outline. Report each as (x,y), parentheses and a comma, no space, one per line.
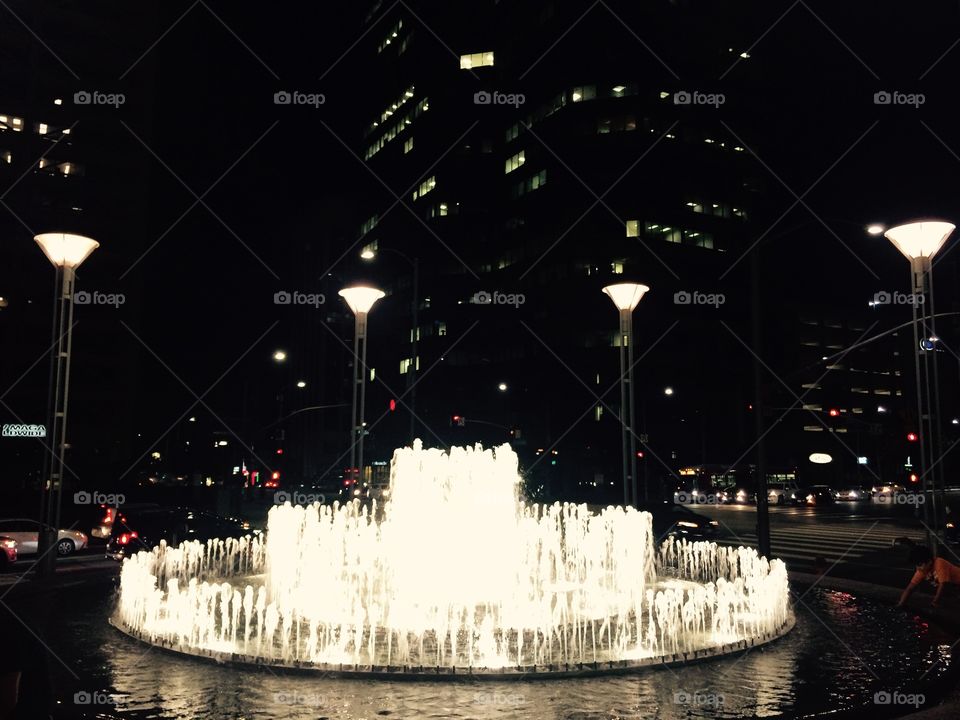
(686,523)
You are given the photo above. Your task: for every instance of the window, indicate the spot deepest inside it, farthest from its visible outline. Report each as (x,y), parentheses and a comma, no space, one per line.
(534,182)
(632,229)
(407,145)
(481,59)
(369,224)
(391,36)
(813,428)
(441,329)
(373,374)
(513,132)
(598,412)
(426,186)
(6,156)
(585,92)
(405,365)
(616,268)
(513,162)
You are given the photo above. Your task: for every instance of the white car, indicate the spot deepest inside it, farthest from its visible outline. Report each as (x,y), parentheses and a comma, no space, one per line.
(27,532)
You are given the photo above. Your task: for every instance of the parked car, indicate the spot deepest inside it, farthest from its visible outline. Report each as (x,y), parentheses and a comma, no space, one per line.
(144,529)
(8,551)
(782,493)
(27,534)
(816,495)
(670,519)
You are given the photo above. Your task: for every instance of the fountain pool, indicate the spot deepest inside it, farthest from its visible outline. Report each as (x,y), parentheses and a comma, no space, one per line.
(454,576)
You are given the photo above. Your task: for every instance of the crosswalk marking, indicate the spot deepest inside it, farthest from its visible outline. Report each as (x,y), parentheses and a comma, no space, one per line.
(827,541)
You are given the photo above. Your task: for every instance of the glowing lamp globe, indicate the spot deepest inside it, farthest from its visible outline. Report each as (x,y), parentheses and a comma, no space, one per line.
(361,299)
(66,249)
(625,296)
(920,239)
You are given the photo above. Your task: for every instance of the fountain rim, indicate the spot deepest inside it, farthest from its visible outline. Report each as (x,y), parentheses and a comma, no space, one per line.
(522,673)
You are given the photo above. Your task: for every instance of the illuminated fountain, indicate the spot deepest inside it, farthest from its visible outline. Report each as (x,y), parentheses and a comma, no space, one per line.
(454,575)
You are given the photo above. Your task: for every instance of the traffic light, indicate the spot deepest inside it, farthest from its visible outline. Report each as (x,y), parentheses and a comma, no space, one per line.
(911,437)
(393,405)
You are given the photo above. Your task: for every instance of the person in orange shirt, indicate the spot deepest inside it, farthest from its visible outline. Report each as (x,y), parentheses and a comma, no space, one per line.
(939,571)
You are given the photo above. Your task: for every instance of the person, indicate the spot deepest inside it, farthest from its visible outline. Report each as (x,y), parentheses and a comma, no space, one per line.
(939,571)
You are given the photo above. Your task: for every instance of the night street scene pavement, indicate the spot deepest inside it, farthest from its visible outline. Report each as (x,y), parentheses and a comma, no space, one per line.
(533,360)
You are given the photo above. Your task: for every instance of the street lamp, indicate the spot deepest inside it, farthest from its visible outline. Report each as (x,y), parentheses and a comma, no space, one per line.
(370,253)
(361,300)
(66,251)
(919,242)
(279,356)
(626,296)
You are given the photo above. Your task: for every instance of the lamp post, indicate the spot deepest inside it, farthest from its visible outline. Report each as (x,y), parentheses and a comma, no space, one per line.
(370,253)
(66,251)
(626,296)
(919,242)
(361,300)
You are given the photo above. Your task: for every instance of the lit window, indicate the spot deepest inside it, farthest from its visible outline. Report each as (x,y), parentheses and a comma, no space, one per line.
(586,92)
(482,59)
(42,129)
(633,229)
(513,162)
(407,145)
(442,210)
(813,428)
(426,186)
(369,224)
(7,157)
(598,412)
(616,268)
(513,132)
(618,90)
(373,374)
(405,365)
(441,329)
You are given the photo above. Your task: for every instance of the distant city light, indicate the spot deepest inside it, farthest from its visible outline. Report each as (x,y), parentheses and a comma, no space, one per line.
(193,419)
(881,409)
(279,355)
(367,254)
(301,384)
(875,229)
(668,390)
(502,387)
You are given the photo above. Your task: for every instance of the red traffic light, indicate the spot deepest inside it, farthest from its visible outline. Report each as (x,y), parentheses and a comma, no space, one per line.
(911,437)
(913,477)
(279,451)
(834,412)
(393,404)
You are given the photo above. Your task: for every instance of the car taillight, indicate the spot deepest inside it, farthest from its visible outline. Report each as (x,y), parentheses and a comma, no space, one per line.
(108,518)
(127,537)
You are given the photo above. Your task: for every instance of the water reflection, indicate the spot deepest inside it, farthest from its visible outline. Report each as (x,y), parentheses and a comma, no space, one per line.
(842,650)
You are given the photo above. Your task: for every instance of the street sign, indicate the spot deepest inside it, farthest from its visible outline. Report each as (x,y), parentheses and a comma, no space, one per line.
(22,430)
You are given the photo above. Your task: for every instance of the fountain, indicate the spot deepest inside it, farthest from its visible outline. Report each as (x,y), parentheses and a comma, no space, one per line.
(454,576)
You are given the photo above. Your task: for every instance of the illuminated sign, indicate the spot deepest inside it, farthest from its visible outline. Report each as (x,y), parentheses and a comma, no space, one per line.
(688,471)
(819,458)
(20,430)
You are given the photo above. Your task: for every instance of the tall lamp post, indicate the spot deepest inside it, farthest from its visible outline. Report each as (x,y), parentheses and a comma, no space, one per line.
(66,251)
(919,242)
(361,300)
(370,253)
(626,296)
